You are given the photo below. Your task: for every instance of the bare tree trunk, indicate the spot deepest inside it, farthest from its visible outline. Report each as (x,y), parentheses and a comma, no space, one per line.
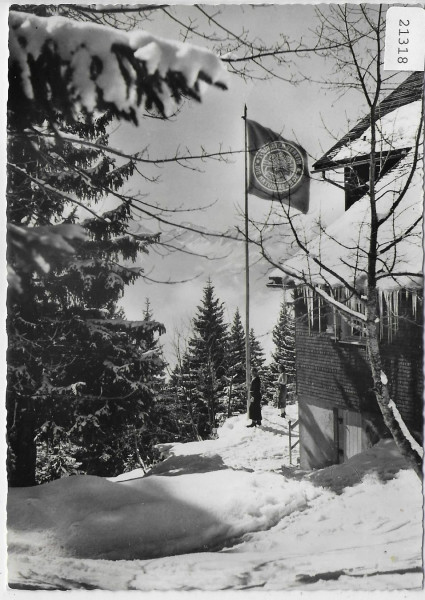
(372,315)
(229,401)
(192,422)
(382,391)
(136,450)
(211,393)
(22,465)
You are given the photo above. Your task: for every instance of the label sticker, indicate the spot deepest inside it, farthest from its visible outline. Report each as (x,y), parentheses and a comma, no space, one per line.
(405,39)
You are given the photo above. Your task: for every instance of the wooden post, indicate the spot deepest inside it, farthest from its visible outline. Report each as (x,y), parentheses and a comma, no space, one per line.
(247,348)
(290,443)
(292,446)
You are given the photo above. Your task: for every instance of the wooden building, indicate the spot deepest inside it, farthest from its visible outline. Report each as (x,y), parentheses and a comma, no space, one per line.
(338,413)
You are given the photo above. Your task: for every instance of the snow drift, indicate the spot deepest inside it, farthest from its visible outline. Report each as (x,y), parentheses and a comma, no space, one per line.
(221,514)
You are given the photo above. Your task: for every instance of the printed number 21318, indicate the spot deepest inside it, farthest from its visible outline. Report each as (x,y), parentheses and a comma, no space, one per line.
(403,40)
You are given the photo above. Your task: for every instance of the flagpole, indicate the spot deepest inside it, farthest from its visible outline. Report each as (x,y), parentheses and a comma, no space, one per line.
(247,348)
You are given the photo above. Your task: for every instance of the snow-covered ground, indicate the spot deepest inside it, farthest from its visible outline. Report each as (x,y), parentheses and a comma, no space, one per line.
(225,514)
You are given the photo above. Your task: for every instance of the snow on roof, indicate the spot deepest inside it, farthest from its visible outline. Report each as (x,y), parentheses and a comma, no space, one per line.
(395,130)
(408,93)
(342,246)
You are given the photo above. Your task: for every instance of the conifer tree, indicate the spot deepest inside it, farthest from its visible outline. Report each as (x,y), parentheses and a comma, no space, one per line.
(140,439)
(284,341)
(66,342)
(257,353)
(258,360)
(236,369)
(190,412)
(78,373)
(207,352)
(147,312)
(152,341)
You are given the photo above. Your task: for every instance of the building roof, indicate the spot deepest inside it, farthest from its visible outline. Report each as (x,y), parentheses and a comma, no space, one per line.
(409,91)
(342,246)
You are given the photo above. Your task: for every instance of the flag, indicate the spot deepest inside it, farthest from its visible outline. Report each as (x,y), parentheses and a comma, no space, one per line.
(278,168)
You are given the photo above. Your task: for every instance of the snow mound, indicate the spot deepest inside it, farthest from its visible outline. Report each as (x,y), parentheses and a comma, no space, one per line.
(170,510)
(229,513)
(258,449)
(90,517)
(366,538)
(382,461)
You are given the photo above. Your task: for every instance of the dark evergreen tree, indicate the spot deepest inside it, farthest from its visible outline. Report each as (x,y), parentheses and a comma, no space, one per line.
(58,354)
(190,411)
(153,345)
(141,436)
(69,353)
(258,360)
(206,361)
(236,367)
(78,374)
(284,353)
(257,353)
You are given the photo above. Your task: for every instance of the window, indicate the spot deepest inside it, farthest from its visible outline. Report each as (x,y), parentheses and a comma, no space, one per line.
(350,329)
(312,309)
(356,175)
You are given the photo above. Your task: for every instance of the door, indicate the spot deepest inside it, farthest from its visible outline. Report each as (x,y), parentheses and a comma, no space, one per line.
(347,434)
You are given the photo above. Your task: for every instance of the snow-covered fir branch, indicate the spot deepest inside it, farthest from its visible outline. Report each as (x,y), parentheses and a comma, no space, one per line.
(90,66)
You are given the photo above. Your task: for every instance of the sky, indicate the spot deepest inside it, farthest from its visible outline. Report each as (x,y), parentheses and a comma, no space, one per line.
(376,508)
(306,112)
(296,111)
(225,515)
(294,104)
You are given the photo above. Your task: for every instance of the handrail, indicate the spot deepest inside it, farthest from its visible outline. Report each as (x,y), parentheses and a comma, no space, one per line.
(292,446)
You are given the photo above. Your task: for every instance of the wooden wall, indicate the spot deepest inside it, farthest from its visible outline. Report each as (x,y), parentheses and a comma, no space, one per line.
(335,376)
(337,373)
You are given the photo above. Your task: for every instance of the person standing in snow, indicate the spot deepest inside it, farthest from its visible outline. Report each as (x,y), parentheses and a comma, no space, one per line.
(254,412)
(282,391)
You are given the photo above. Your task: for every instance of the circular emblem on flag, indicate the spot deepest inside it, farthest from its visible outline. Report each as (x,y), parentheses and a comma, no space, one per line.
(278,166)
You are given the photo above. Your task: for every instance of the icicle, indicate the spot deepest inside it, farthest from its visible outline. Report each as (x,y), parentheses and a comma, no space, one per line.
(387,296)
(311,306)
(392,300)
(414,303)
(335,324)
(381,314)
(396,305)
(319,303)
(308,301)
